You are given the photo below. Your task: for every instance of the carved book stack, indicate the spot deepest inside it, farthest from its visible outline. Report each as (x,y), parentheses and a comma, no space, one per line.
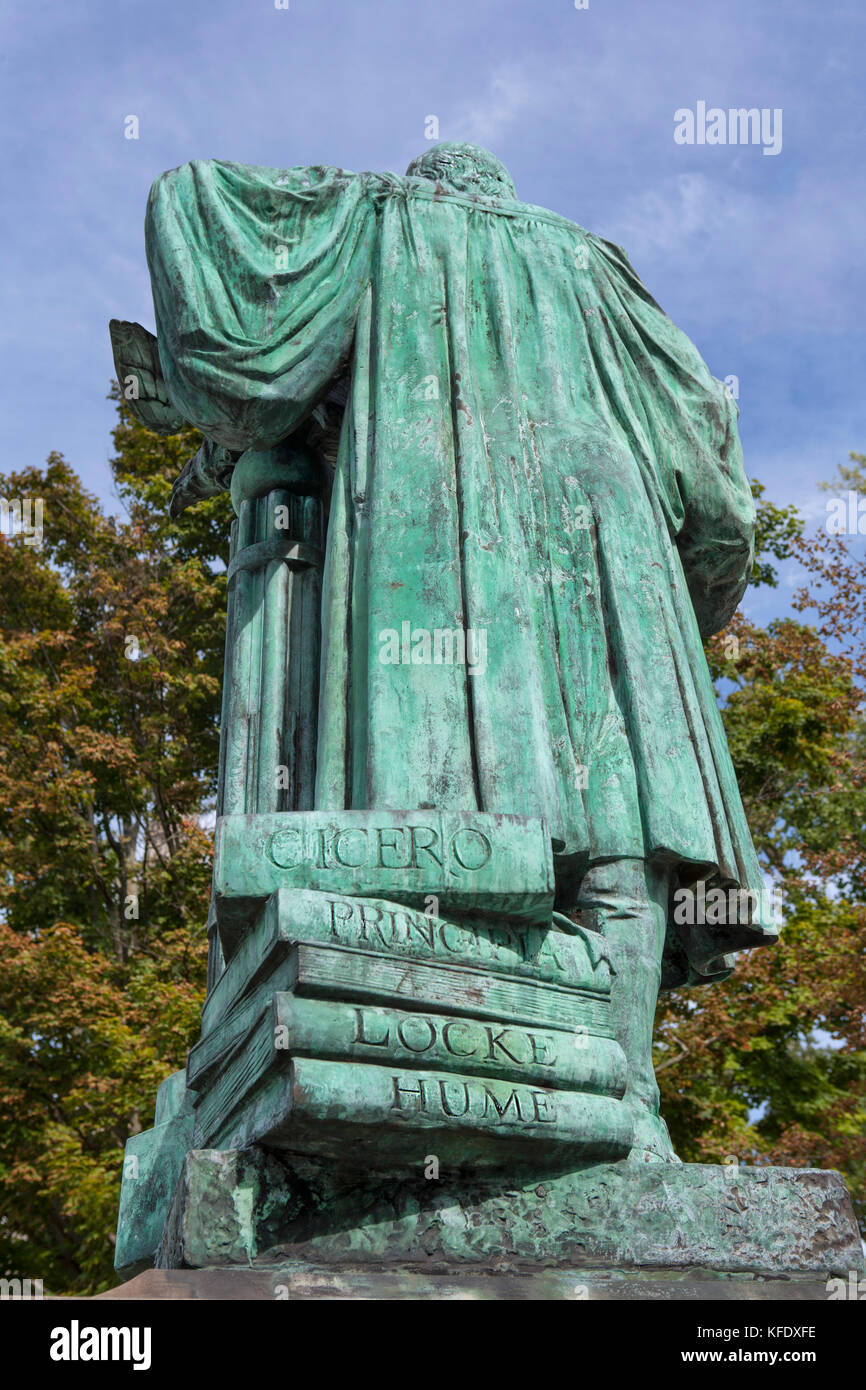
(349,1022)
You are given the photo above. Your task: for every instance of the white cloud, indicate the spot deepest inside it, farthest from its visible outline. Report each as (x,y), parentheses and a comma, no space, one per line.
(786,251)
(486,121)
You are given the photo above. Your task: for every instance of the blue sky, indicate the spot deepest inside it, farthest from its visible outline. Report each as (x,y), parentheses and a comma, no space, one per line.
(759,258)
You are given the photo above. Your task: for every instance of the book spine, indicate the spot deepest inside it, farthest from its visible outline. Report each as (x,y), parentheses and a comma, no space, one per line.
(323,1107)
(387,929)
(362,977)
(324,1029)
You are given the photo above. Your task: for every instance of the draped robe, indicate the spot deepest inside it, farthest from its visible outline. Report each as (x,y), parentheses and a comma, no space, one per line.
(530,450)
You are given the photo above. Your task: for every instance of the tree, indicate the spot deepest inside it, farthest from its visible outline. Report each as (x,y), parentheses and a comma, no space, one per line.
(111,651)
(111,647)
(771,1066)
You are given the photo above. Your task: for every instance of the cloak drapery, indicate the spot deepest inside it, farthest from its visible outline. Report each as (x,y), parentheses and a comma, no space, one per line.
(532,451)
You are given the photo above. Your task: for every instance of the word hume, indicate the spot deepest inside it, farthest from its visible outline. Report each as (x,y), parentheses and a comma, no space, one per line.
(455,1098)
(733,127)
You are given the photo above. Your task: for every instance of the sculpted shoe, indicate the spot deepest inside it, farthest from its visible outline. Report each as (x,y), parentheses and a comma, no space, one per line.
(652,1142)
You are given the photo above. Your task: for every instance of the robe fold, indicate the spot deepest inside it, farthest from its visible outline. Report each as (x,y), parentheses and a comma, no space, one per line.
(530,451)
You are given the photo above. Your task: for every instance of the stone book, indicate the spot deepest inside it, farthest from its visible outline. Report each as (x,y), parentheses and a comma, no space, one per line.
(290,915)
(498,864)
(288,1027)
(370,1115)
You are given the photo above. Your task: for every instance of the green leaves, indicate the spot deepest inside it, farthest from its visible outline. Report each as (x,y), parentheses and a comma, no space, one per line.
(110,757)
(111,644)
(771,1067)
(776,530)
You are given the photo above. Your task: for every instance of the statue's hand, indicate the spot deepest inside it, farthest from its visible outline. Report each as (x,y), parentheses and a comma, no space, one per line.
(208,473)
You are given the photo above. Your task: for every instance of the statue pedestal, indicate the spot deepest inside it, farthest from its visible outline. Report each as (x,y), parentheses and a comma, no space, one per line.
(385,1102)
(291,1282)
(259,1211)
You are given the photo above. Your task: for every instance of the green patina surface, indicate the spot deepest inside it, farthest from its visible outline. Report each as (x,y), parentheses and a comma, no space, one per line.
(152,1165)
(530,449)
(489,501)
(577,958)
(471,861)
(620,1215)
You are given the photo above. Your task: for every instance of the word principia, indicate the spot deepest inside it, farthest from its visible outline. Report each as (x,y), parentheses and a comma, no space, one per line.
(444,646)
(734,127)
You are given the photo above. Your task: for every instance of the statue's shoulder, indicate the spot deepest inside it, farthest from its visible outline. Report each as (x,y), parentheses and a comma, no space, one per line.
(245,180)
(430,190)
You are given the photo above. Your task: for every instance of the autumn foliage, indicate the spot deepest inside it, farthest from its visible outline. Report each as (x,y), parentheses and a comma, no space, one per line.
(771,1067)
(111,654)
(111,651)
